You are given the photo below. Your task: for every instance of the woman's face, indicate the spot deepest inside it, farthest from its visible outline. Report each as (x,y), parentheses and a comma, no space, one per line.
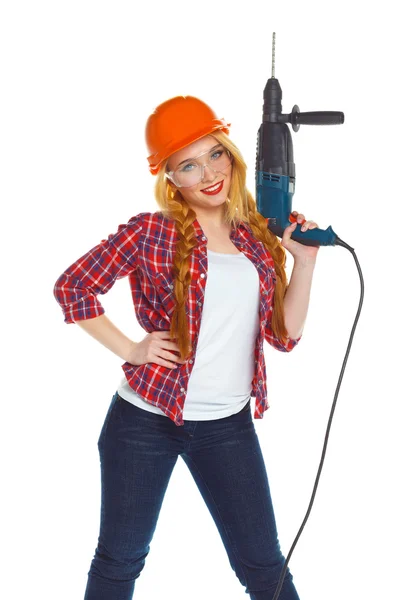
(196,196)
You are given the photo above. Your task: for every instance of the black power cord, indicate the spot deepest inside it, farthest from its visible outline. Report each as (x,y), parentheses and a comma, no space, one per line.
(338,242)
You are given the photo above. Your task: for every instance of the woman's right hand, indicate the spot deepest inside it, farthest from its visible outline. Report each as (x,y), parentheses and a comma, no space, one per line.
(156,348)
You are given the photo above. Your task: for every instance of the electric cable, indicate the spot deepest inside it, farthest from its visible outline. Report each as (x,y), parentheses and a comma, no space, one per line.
(338,242)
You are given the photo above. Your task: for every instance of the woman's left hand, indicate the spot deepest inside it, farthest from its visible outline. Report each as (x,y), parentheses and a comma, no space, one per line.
(297,250)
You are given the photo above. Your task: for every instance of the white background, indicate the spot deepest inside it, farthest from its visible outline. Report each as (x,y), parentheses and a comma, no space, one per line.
(79,80)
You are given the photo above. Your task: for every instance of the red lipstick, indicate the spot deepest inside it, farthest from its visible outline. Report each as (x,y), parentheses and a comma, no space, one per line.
(215,189)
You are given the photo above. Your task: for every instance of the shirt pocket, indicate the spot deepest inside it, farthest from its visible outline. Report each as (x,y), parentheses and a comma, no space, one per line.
(165,289)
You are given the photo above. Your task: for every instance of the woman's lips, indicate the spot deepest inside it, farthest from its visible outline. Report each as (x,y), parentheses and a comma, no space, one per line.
(215,189)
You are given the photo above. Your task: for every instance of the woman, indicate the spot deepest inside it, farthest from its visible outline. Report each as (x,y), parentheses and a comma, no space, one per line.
(209,285)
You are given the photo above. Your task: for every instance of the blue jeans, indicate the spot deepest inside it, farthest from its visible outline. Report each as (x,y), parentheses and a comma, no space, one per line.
(138,451)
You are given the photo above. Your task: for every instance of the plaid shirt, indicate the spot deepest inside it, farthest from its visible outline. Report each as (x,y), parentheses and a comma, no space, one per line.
(143,249)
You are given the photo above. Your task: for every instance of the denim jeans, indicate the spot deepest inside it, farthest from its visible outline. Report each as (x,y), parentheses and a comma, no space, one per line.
(138,451)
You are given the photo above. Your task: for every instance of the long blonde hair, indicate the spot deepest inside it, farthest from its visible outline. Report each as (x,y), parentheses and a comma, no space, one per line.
(240,207)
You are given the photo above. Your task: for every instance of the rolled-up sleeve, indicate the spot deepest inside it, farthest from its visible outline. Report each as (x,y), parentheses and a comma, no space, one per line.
(77,288)
(275,341)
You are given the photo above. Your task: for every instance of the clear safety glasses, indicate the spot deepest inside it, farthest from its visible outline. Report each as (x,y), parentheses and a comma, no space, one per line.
(191,171)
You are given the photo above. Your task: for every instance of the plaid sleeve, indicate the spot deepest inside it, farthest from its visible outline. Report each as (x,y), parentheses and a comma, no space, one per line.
(272,339)
(97,271)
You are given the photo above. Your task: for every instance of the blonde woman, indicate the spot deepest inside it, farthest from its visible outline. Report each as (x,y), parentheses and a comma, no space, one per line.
(209,286)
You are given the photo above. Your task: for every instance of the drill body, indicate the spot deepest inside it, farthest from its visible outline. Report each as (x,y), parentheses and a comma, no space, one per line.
(275,168)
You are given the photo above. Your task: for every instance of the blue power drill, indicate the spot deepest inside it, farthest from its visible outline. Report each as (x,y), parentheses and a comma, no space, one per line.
(275,169)
(275,181)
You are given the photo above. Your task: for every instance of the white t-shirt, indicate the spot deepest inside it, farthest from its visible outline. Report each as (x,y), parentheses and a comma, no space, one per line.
(220,382)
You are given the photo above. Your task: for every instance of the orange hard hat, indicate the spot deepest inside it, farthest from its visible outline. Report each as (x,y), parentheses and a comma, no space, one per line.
(177,123)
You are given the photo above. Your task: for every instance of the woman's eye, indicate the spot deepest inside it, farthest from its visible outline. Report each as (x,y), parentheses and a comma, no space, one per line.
(188,167)
(216,154)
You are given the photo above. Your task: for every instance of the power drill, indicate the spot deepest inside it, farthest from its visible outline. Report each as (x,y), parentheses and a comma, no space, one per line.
(275,183)
(275,169)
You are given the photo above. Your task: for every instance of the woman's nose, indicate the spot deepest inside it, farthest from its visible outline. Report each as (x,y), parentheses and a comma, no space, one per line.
(208,174)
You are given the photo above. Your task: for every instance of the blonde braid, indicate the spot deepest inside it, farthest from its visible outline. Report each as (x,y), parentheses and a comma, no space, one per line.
(183,217)
(261,232)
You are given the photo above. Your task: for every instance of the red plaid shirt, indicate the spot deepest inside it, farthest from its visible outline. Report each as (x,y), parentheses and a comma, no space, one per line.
(143,249)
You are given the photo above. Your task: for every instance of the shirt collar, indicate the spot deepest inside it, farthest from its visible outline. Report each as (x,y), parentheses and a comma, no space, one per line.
(241,225)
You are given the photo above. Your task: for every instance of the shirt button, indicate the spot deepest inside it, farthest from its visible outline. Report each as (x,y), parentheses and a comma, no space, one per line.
(199,303)
(202,275)
(203,238)
(182,389)
(261,382)
(191,361)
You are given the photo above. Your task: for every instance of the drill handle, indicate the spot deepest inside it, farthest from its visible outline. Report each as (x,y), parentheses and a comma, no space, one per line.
(314,237)
(328,117)
(310,237)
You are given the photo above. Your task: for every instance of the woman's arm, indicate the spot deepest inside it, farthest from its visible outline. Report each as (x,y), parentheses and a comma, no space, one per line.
(296,300)
(105,332)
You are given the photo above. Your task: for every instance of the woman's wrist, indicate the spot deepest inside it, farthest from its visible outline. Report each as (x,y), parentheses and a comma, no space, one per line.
(304,263)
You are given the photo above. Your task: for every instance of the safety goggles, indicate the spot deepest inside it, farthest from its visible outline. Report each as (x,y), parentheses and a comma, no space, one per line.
(191,171)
